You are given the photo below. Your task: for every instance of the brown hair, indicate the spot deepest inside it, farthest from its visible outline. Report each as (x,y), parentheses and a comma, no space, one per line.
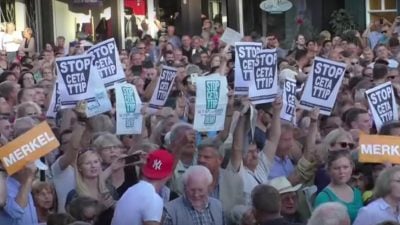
(335,155)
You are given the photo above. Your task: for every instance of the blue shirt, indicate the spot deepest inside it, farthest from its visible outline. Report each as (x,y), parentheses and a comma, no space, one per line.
(13,214)
(376,212)
(281,167)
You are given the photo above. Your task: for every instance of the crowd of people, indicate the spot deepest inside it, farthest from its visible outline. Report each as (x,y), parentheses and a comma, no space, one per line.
(283,174)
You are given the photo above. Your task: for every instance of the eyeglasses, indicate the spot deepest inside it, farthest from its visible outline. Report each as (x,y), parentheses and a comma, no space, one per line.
(384,31)
(354,63)
(346,145)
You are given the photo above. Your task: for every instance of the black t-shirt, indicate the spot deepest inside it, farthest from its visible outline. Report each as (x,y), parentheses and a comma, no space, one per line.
(131,179)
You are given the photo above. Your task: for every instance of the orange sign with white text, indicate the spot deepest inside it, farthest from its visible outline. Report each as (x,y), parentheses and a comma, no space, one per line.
(28,147)
(379,149)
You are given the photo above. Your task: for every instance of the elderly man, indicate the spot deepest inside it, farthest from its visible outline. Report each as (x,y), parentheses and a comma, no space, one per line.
(331,213)
(195,207)
(289,198)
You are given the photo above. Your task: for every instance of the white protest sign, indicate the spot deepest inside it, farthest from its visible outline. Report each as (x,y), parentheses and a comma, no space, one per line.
(128,106)
(164,85)
(101,103)
(106,59)
(264,82)
(211,102)
(288,111)
(382,103)
(231,36)
(75,75)
(55,102)
(323,85)
(245,57)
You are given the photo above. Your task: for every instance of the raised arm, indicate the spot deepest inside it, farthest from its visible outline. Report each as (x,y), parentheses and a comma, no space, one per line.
(223,135)
(3,189)
(238,139)
(275,131)
(309,149)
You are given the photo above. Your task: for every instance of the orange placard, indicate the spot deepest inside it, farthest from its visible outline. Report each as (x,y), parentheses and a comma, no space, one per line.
(28,147)
(379,149)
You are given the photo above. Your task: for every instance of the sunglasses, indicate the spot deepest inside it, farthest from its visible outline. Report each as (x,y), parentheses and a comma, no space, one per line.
(354,63)
(384,31)
(391,77)
(346,145)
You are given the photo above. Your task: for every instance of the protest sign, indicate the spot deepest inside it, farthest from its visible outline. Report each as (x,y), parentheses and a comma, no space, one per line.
(323,85)
(211,102)
(75,75)
(382,104)
(245,58)
(231,36)
(264,81)
(128,106)
(106,59)
(379,149)
(164,85)
(55,102)
(28,147)
(101,103)
(288,111)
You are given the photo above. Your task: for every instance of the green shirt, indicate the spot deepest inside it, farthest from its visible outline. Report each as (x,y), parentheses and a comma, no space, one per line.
(327,195)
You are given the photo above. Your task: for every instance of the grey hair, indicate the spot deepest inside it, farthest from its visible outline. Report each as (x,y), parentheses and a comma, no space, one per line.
(212,143)
(106,140)
(177,129)
(382,184)
(198,172)
(23,125)
(331,213)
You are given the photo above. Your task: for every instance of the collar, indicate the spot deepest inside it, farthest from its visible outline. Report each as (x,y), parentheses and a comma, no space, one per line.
(382,204)
(279,159)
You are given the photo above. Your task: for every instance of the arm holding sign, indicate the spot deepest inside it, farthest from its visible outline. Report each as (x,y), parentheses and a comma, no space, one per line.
(148,93)
(3,189)
(223,135)
(74,144)
(305,168)
(271,144)
(241,130)
(312,136)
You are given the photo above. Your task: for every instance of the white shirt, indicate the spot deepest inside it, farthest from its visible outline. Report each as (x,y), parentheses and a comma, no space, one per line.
(8,41)
(376,212)
(252,179)
(138,204)
(64,182)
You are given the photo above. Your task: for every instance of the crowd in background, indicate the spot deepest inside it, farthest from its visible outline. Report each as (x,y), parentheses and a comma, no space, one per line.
(284,174)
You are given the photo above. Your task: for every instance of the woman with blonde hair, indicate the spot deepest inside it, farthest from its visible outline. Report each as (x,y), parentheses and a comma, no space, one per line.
(111,149)
(28,43)
(28,109)
(337,139)
(89,180)
(44,196)
(386,206)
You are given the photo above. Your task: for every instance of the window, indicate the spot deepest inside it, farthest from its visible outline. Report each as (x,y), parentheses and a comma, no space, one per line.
(378,9)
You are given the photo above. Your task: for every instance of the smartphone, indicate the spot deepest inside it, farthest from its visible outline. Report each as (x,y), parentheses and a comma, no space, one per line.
(133,158)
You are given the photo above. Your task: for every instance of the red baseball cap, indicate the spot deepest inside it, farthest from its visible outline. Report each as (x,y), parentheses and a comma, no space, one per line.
(159,165)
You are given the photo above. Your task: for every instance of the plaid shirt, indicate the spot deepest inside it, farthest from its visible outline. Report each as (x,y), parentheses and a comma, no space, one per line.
(198,218)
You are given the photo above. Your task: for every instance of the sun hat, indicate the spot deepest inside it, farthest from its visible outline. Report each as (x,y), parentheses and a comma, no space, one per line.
(159,165)
(283,185)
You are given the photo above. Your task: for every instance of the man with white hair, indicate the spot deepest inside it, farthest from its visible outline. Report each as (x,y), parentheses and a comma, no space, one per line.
(331,213)
(195,207)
